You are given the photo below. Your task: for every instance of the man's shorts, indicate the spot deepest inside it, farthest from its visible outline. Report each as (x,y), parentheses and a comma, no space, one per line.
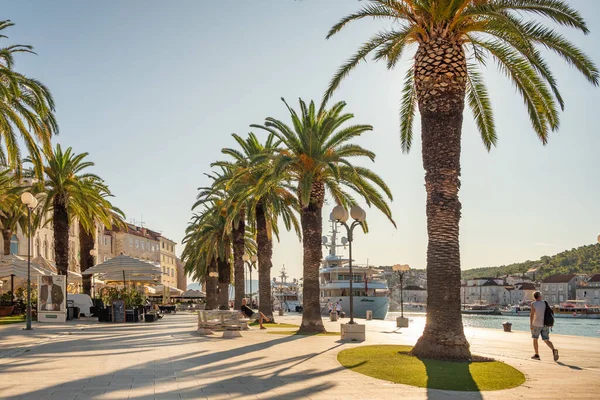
(545,331)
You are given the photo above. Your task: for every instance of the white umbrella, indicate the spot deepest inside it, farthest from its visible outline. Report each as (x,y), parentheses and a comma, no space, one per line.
(125,268)
(192,294)
(72,276)
(14,266)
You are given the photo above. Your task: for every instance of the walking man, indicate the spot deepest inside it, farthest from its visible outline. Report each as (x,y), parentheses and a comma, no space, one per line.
(537,326)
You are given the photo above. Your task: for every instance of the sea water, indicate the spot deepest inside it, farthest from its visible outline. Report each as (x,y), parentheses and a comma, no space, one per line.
(562,326)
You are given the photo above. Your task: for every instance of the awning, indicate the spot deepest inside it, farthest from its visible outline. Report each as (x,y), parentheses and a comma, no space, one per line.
(192,294)
(72,276)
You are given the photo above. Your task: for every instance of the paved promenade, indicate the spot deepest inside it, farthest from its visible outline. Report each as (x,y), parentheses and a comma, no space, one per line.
(166,360)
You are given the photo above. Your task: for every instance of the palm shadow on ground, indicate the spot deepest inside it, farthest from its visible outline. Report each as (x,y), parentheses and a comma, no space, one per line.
(198,374)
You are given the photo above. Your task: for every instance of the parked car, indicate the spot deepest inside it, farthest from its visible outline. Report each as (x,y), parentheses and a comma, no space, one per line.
(83,301)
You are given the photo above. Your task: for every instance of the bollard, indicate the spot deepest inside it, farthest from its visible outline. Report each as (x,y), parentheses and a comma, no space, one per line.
(507,326)
(280,312)
(333,316)
(369,315)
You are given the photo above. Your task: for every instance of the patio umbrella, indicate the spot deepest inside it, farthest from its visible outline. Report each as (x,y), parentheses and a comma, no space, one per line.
(49,265)
(137,270)
(14,266)
(192,294)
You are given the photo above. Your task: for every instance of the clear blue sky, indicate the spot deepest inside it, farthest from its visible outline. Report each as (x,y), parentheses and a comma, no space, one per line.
(153,90)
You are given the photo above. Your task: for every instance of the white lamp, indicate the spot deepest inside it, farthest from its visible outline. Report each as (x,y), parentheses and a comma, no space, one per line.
(339,213)
(358,213)
(401,268)
(29,200)
(246,257)
(213,274)
(254,258)
(93,252)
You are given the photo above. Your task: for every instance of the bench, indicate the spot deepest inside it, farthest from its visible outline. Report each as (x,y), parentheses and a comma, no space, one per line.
(225,320)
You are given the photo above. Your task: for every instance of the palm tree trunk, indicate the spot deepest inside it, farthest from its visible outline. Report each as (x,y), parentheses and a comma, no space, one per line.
(312,229)
(224,281)
(6,237)
(86,244)
(61,237)
(211,288)
(440,95)
(239,245)
(264,253)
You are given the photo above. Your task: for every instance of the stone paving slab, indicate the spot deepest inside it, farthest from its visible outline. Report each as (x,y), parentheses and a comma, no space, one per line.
(164,360)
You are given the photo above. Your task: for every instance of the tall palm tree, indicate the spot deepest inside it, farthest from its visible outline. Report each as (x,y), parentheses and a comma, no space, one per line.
(26,109)
(97,209)
(64,189)
(266,197)
(316,154)
(452,39)
(236,230)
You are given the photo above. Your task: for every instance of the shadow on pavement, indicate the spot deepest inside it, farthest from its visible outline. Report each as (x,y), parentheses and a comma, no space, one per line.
(242,370)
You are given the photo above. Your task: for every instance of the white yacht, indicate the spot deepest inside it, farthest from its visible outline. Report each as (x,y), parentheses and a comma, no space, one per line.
(370,290)
(286,294)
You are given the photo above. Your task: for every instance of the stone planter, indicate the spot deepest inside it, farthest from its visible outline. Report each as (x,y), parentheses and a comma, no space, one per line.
(402,322)
(6,311)
(353,332)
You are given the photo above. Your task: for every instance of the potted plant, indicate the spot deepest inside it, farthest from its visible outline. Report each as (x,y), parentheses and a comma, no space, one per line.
(6,305)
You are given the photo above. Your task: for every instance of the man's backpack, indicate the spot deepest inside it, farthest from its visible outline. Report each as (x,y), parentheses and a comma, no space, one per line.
(548,315)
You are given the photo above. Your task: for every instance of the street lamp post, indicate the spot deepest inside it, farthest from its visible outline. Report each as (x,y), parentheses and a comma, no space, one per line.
(30,202)
(401,322)
(93,253)
(250,262)
(340,214)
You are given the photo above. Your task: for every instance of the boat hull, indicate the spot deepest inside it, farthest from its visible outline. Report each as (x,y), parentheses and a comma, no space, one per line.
(378,305)
(576,315)
(516,313)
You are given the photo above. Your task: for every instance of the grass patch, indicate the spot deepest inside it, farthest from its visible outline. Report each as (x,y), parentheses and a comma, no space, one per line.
(297,333)
(274,325)
(394,364)
(15,319)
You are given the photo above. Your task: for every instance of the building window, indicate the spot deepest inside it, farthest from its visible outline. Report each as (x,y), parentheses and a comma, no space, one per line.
(553,288)
(553,297)
(14,245)
(137,244)
(38,250)
(46,249)
(142,245)
(163,245)
(105,258)
(560,287)
(130,242)
(545,288)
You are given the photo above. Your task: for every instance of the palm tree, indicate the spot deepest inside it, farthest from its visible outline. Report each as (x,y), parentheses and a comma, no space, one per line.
(12,211)
(198,259)
(26,110)
(316,154)
(97,209)
(454,37)
(266,197)
(65,190)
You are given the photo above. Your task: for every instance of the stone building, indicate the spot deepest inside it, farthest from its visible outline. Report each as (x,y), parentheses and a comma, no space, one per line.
(589,291)
(560,288)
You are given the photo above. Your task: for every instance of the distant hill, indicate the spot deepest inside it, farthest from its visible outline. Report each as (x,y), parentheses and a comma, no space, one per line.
(581,260)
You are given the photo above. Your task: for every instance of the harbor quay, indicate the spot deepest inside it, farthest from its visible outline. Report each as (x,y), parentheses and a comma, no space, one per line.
(168,360)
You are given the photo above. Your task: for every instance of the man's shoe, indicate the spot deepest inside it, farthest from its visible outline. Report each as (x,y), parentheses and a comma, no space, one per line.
(555,351)
(262,327)
(535,357)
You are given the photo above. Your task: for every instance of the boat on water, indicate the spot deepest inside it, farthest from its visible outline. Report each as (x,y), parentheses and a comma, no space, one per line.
(576,309)
(516,311)
(369,288)
(286,295)
(477,309)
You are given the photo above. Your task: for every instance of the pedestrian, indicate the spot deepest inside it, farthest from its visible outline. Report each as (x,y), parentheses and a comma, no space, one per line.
(538,327)
(338,307)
